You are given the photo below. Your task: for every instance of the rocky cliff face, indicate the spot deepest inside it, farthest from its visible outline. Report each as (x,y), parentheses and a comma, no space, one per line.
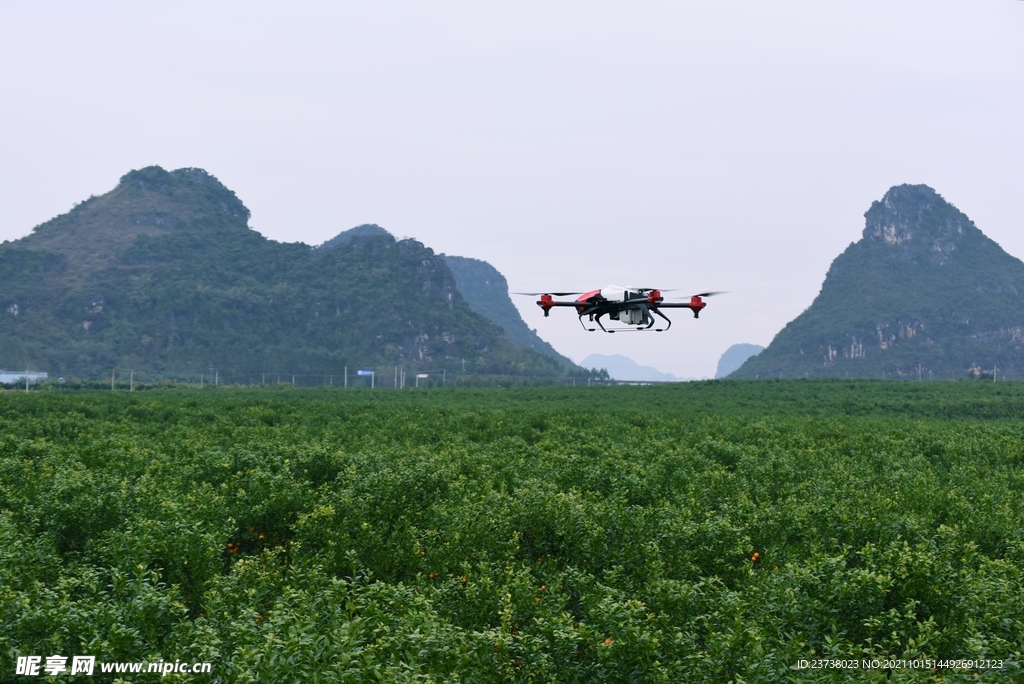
(917,221)
(924,293)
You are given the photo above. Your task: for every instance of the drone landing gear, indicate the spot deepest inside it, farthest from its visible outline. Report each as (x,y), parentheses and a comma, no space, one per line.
(637,329)
(596,320)
(649,320)
(666,320)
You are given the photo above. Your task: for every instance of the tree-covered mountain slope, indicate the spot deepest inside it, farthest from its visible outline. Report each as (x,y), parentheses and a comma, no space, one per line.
(163,274)
(486,291)
(924,293)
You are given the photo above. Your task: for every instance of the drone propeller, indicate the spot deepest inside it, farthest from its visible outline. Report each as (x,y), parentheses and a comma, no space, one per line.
(553,294)
(675,289)
(701,295)
(652,289)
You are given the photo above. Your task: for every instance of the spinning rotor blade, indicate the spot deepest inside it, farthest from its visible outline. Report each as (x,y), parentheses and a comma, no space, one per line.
(669,302)
(696,304)
(674,289)
(652,289)
(553,294)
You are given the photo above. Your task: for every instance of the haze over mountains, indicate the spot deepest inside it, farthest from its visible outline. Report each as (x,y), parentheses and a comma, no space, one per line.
(623,368)
(163,274)
(923,294)
(734,357)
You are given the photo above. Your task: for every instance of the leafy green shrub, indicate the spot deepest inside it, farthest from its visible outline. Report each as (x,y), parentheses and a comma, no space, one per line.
(524,535)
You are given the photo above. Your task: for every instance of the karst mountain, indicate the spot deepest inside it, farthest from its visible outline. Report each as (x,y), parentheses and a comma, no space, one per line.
(163,275)
(924,294)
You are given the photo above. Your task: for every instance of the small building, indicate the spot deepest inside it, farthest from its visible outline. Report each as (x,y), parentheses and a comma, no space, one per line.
(19,377)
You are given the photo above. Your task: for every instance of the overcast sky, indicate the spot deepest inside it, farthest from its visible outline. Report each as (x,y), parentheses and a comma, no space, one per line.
(700,145)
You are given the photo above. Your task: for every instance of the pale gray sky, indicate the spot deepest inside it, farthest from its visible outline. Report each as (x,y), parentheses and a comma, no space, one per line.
(701,145)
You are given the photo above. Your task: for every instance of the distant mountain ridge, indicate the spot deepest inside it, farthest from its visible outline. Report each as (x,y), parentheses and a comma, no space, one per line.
(923,294)
(734,357)
(163,274)
(486,291)
(623,368)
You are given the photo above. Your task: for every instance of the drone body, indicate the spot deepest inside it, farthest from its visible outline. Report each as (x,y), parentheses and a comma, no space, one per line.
(635,307)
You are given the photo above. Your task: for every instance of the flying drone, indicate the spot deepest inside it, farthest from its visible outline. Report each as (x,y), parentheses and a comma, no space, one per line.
(632,306)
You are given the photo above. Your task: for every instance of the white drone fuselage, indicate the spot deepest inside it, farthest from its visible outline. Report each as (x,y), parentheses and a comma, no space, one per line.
(633,315)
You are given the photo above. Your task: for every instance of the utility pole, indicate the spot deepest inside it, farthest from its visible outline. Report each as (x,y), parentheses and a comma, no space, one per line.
(216,377)
(264,381)
(346,376)
(131,380)
(200,381)
(26,379)
(396,377)
(111,381)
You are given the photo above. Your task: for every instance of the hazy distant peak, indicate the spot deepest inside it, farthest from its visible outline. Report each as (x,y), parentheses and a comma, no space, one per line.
(489,274)
(735,356)
(626,369)
(346,236)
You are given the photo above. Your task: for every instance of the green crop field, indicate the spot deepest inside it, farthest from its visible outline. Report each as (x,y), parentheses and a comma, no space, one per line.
(702,532)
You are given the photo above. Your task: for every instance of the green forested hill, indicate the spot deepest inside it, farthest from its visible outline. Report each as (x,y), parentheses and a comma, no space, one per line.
(163,275)
(924,293)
